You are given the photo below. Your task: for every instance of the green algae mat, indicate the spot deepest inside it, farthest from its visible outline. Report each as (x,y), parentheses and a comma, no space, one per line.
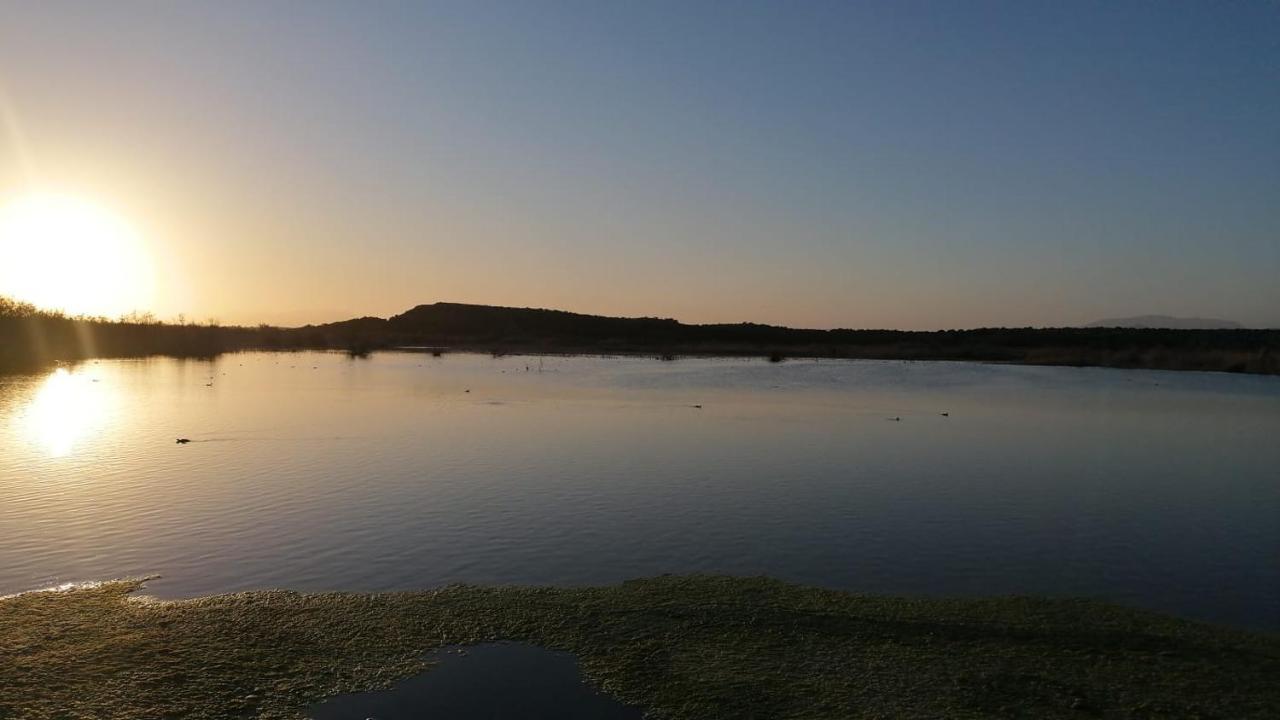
(679,647)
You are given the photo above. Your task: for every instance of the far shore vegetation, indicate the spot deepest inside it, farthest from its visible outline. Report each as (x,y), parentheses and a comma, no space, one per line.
(32,339)
(678,647)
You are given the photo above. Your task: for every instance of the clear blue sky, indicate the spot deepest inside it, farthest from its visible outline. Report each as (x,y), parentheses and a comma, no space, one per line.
(886,164)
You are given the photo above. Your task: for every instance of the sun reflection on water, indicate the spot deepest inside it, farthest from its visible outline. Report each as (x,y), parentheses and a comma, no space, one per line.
(68,408)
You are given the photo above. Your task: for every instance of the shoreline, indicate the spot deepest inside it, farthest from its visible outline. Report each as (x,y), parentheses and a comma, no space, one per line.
(32,339)
(35,369)
(694,646)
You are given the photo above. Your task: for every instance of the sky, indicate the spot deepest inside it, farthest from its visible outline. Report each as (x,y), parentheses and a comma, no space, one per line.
(903,164)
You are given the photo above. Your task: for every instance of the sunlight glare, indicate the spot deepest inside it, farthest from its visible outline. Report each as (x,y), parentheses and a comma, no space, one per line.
(67,409)
(62,252)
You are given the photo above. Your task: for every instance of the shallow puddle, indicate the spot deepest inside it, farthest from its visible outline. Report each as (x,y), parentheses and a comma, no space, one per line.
(500,681)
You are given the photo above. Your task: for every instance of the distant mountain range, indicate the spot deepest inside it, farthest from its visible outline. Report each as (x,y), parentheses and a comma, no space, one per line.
(1166,322)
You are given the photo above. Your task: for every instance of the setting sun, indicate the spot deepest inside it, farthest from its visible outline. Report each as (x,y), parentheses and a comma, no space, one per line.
(63,252)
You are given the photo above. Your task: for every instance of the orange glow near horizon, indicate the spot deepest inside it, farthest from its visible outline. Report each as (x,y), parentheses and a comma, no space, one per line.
(67,253)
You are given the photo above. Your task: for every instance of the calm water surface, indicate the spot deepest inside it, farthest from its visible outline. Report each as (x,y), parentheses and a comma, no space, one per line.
(507,681)
(315,472)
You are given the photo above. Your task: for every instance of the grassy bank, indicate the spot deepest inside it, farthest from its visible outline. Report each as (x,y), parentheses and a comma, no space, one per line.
(680,647)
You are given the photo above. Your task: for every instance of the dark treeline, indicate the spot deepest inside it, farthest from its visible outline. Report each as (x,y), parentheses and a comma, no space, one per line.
(31,339)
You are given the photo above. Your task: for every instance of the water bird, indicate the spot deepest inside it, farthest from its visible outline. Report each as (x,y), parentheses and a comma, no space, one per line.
(699,407)
(896,419)
(945,414)
(183,441)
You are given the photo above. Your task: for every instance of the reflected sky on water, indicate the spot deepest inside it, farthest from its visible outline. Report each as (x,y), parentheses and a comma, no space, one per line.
(315,471)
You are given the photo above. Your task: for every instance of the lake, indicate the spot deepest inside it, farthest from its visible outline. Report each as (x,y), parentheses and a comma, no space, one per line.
(315,471)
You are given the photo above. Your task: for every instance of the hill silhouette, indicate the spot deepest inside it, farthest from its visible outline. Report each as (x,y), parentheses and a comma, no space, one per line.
(500,330)
(30,338)
(1168,322)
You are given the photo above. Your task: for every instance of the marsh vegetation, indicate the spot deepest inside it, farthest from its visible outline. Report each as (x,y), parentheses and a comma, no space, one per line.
(691,647)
